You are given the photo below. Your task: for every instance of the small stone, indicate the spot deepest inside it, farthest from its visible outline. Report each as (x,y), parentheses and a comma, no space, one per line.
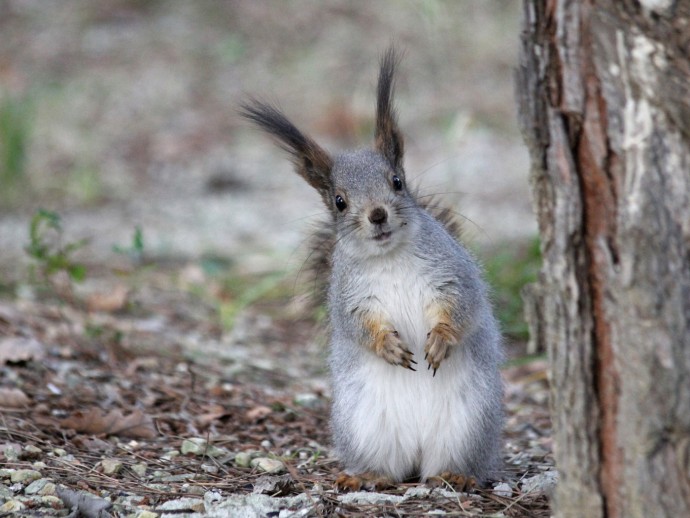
(111,466)
(25,475)
(37,486)
(199,446)
(11,451)
(209,468)
(39,465)
(417,492)
(6,473)
(59,452)
(31,452)
(146,514)
(307,400)
(213,496)
(266,444)
(542,483)
(183,477)
(139,468)
(48,490)
(366,498)
(183,504)
(52,501)
(195,490)
(11,506)
(268,465)
(243,459)
(503,490)
(170,455)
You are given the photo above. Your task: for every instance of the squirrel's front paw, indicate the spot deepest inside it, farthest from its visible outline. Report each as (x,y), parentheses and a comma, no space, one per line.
(438,344)
(389,347)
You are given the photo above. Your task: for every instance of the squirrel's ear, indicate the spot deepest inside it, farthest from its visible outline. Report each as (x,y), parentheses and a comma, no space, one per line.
(389,139)
(311,161)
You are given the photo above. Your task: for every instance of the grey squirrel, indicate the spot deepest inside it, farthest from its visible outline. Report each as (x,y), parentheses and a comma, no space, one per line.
(402,291)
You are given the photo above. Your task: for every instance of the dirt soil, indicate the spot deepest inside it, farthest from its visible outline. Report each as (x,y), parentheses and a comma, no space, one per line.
(187,377)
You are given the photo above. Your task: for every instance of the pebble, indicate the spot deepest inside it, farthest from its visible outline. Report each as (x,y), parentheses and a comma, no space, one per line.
(146,514)
(25,475)
(11,452)
(417,492)
(42,486)
(213,496)
(139,468)
(52,501)
(243,459)
(170,454)
(366,498)
(307,400)
(30,451)
(542,483)
(199,446)
(183,504)
(111,466)
(503,490)
(268,465)
(11,506)
(59,452)
(194,490)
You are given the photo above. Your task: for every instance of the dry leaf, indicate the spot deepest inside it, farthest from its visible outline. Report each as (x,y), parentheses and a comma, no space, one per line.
(258,412)
(212,413)
(109,302)
(13,398)
(94,421)
(14,349)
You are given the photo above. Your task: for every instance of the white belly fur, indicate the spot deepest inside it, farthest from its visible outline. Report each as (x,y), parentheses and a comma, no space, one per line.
(409,423)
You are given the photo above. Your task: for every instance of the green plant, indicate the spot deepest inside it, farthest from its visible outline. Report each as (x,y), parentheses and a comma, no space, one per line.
(50,255)
(242,292)
(135,251)
(508,270)
(14,137)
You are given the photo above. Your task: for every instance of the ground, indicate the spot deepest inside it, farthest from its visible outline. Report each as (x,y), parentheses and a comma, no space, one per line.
(171,361)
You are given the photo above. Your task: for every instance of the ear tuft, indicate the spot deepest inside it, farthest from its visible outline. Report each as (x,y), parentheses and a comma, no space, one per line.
(311,161)
(389,140)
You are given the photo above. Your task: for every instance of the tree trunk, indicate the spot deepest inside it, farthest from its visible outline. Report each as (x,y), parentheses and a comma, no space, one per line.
(604,92)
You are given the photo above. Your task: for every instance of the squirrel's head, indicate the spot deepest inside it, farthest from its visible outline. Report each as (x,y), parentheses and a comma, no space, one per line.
(365,190)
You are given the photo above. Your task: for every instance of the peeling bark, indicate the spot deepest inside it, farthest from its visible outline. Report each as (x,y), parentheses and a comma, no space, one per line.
(604,93)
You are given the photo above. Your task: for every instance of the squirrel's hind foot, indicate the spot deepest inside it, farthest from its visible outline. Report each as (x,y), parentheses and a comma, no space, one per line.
(366,481)
(454,480)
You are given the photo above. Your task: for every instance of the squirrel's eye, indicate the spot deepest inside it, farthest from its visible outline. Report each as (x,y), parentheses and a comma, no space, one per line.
(397,183)
(340,203)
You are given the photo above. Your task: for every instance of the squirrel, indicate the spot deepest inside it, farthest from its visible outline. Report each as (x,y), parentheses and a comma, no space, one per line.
(402,291)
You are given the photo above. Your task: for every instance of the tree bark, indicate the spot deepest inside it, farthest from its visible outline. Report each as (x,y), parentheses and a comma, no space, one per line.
(604,94)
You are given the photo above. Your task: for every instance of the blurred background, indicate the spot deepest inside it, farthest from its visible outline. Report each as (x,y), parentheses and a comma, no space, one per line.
(119,117)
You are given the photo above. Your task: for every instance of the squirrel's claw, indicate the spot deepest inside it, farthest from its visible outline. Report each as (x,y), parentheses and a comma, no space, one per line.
(392,349)
(438,345)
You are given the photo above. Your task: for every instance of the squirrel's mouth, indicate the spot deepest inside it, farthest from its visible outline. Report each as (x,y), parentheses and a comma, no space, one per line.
(383,236)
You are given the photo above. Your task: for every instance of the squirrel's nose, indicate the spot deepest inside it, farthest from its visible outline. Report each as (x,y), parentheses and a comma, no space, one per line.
(378,216)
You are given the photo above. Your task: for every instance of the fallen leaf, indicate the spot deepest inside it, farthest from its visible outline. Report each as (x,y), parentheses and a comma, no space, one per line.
(15,349)
(94,421)
(258,412)
(114,300)
(13,398)
(213,412)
